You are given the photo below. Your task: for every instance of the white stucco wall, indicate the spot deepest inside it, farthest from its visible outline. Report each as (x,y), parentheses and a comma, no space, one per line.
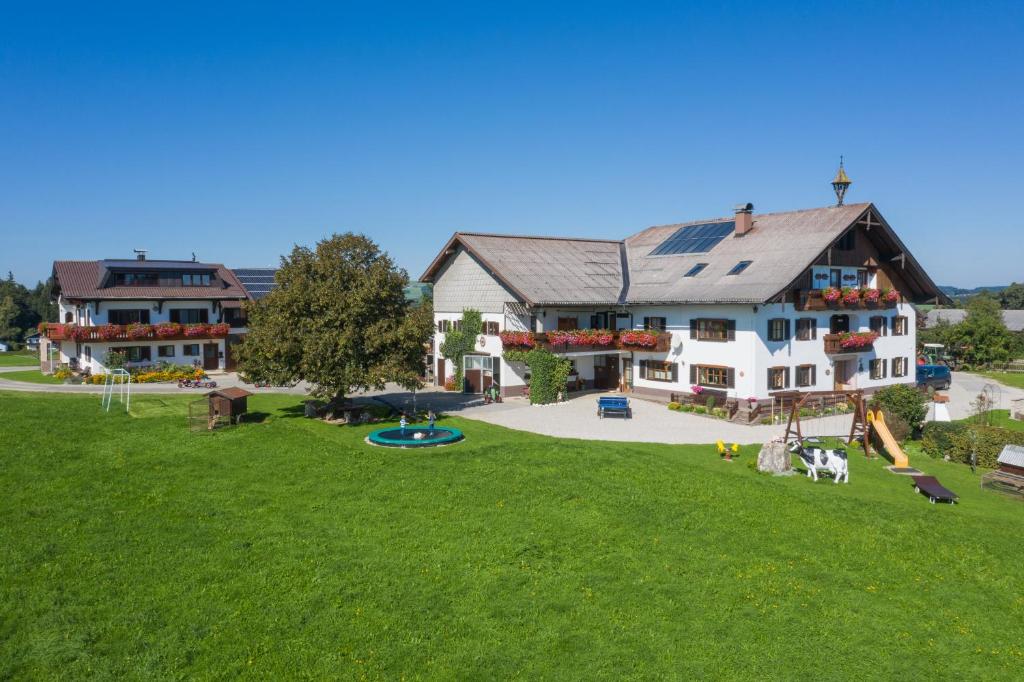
(464,284)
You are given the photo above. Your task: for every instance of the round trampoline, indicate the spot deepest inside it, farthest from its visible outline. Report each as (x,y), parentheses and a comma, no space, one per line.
(409,437)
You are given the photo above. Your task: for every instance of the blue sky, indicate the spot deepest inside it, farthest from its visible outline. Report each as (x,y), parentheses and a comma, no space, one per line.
(239,130)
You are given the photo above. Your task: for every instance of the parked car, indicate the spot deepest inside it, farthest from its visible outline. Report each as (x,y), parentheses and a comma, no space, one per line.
(937,376)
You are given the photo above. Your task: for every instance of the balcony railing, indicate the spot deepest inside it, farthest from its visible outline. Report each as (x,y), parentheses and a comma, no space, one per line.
(591,341)
(814,299)
(133,332)
(856,342)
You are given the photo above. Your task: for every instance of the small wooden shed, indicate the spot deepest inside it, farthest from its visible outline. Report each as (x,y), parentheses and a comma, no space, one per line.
(228,402)
(1011,460)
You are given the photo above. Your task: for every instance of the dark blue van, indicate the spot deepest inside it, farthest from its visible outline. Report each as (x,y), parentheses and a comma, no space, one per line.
(934,375)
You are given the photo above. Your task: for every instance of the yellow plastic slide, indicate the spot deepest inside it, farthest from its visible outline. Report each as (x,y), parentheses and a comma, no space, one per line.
(899,458)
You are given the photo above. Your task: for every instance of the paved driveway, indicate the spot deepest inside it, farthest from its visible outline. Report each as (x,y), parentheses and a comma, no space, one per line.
(967,386)
(651,422)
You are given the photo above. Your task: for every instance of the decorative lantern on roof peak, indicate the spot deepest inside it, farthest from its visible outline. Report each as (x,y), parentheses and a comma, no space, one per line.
(841,183)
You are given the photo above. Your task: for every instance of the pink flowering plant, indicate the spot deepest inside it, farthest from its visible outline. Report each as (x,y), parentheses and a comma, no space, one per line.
(871,296)
(76,333)
(167,330)
(851,296)
(517,339)
(639,338)
(891,296)
(857,340)
(696,390)
(108,332)
(195,331)
(138,331)
(831,294)
(219,329)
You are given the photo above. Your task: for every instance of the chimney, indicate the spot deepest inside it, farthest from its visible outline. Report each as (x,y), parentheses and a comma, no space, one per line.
(140,254)
(744,219)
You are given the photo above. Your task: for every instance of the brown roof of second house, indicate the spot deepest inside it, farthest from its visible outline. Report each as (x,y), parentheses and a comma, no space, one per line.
(83,279)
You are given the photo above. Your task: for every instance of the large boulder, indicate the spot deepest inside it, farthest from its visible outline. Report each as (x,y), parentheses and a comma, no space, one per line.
(774,459)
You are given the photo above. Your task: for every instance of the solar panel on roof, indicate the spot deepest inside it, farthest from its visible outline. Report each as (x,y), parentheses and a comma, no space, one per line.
(694,239)
(257,281)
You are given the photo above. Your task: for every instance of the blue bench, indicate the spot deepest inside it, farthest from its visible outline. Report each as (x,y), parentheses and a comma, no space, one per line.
(613,405)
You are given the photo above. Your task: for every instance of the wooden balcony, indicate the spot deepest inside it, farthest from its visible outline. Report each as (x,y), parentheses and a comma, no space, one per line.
(133,333)
(662,344)
(812,300)
(833,347)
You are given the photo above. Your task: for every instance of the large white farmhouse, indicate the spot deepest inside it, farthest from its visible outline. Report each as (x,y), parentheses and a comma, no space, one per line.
(152,311)
(743,306)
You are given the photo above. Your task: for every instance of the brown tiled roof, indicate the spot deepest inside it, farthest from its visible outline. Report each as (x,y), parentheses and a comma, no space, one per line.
(80,279)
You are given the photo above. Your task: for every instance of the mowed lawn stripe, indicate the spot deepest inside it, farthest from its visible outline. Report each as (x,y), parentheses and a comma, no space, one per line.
(290,547)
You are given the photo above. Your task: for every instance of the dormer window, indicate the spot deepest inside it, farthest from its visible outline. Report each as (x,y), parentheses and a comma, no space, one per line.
(170,278)
(696,270)
(740,267)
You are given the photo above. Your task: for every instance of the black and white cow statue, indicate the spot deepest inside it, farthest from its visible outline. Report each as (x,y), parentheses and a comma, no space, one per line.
(819,459)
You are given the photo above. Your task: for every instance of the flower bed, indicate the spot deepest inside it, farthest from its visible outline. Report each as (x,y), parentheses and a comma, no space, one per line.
(851,340)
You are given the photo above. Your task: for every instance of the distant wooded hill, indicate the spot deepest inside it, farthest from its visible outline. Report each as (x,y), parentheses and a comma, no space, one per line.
(953,292)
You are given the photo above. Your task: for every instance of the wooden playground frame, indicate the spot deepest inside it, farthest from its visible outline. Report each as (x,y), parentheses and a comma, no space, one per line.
(859,429)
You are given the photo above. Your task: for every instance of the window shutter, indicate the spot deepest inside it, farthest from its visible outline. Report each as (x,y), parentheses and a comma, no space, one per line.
(770,372)
(693,375)
(643,369)
(175,317)
(788,335)
(144,316)
(771,336)
(787,377)
(814,375)
(730,326)
(693,329)
(675,372)
(146,352)
(885,370)
(647,323)
(814,328)
(730,378)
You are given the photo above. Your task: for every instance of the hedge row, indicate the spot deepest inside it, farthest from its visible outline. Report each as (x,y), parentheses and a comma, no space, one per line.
(958,440)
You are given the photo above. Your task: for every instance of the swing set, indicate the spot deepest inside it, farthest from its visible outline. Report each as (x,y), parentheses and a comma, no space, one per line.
(834,408)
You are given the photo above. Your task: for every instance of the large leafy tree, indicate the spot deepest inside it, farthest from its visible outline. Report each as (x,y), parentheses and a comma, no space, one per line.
(8,314)
(982,337)
(338,319)
(1012,297)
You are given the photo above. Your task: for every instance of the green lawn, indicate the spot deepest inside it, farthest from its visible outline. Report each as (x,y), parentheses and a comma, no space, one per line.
(33,376)
(19,359)
(1014,379)
(999,418)
(289,548)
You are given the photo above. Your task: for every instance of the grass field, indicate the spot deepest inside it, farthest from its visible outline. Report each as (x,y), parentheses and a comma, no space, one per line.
(19,359)
(1015,379)
(33,376)
(289,548)
(999,418)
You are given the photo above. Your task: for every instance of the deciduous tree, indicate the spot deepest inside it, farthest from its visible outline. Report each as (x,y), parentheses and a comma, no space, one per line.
(338,319)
